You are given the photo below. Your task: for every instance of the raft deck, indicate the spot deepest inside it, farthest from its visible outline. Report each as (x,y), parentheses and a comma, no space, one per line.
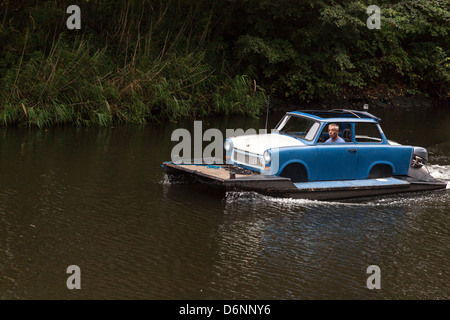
(232,177)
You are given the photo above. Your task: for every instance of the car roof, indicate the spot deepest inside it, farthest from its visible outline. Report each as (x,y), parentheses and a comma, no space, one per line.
(338,115)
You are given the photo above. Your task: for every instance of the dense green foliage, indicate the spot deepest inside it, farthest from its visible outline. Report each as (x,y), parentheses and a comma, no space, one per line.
(312,49)
(144,60)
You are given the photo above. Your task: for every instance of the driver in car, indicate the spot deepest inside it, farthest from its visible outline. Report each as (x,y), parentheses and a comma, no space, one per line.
(333,130)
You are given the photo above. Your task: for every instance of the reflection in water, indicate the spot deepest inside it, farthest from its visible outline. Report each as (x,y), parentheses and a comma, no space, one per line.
(98,198)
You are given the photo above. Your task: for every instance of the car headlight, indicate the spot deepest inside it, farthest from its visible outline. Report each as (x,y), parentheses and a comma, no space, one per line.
(267,156)
(227,145)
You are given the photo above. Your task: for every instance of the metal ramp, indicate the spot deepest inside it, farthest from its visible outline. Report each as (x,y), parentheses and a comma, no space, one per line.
(370,183)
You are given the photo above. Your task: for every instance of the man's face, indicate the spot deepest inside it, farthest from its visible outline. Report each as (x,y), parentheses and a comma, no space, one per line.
(333,132)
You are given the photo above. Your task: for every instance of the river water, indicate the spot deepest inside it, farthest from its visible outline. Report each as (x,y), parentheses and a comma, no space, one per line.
(97,198)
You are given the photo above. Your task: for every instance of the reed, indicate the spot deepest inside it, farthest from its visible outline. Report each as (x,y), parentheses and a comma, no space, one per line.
(82,86)
(142,70)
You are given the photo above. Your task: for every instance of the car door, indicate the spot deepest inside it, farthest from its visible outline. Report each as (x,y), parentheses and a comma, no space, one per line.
(336,161)
(371,150)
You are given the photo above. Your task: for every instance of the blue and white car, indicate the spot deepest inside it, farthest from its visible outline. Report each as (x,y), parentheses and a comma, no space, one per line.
(295,160)
(297,149)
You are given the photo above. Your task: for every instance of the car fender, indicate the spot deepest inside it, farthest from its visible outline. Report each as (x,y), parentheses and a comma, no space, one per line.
(305,156)
(298,161)
(380,162)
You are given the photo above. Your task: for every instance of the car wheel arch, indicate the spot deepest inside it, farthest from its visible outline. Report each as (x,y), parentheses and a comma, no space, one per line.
(381,169)
(300,169)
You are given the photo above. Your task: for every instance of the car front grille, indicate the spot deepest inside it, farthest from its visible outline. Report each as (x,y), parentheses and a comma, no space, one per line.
(248,159)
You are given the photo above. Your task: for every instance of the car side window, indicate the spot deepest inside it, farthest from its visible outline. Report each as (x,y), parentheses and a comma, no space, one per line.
(312,131)
(323,134)
(367,132)
(345,132)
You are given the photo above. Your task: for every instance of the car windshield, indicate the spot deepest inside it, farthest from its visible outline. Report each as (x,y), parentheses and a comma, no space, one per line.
(298,127)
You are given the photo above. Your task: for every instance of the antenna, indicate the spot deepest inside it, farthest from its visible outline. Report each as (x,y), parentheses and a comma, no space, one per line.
(267,111)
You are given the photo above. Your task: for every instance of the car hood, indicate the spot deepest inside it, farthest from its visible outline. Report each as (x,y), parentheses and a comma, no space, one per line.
(258,143)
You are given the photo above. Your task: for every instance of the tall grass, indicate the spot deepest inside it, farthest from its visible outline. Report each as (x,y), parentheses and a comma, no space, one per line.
(132,74)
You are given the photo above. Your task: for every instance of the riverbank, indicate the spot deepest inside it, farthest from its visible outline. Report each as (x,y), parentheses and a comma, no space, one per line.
(374,98)
(85,116)
(385,97)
